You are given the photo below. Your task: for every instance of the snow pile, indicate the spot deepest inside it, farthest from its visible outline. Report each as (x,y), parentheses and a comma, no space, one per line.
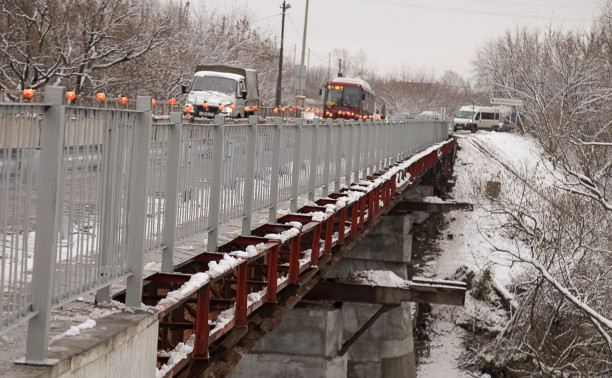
(295,224)
(285,235)
(196,281)
(226,263)
(223,318)
(179,353)
(75,330)
(153,267)
(377,278)
(433,199)
(250,251)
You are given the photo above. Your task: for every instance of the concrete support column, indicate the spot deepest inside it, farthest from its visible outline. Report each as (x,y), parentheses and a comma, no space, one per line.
(305,344)
(307,341)
(387,348)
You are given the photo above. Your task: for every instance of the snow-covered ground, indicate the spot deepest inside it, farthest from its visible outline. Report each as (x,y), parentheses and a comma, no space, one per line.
(468,239)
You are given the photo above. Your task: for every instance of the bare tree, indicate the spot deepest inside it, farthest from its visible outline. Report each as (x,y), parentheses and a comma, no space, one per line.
(50,42)
(564,323)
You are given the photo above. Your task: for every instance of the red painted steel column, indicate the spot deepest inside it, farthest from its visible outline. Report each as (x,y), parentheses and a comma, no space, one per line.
(202,328)
(294,260)
(393,185)
(272,275)
(371,204)
(328,234)
(362,204)
(316,245)
(342,225)
(355,218)
(241,296)
(377,201)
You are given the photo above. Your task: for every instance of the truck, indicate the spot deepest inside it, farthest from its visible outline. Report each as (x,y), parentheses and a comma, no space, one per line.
(222,89)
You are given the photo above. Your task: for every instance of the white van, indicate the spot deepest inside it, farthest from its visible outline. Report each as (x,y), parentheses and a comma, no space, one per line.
(473,117)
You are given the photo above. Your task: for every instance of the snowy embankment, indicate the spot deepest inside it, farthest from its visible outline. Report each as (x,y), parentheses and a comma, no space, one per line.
(488,160)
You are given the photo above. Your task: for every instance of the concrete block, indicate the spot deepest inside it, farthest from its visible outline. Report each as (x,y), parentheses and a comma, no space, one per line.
(393,224)
(391,240)
(273,365)
(390,247)
(367,369)
(399,367)
(389,337)
(121,345)
(305,331)
(420,192)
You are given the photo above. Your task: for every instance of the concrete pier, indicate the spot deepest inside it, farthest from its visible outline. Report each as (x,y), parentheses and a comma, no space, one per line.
(307,341)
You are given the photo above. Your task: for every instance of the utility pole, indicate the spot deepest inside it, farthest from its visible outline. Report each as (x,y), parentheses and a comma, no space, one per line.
(304,51)
(279,83)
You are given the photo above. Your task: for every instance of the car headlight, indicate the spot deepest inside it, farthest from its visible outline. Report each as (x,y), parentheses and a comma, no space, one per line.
(227,109)
(469,121)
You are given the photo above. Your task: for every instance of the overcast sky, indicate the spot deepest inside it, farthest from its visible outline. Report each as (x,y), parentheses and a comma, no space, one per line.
(434,35)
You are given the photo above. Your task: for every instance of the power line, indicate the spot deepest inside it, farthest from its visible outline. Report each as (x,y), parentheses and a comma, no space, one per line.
(293,25)
(265,18)
(469,11)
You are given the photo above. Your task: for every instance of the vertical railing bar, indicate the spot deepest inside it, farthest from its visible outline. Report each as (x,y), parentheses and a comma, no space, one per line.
(47,212)
(295,171)
(172,182)
(327,161)
(339,150)
(368,150)
(357,126)
(314,162)
(216,182)
(137,202)
(249,183)
(349,154)
(276,145)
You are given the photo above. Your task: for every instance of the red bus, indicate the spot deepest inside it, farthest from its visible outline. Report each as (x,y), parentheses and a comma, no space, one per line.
(348,98)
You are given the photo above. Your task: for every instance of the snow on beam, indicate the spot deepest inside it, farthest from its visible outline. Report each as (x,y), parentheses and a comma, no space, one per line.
(427,206)
(366,293)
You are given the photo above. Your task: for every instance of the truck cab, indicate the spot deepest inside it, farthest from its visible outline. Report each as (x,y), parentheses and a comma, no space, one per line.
(224,90)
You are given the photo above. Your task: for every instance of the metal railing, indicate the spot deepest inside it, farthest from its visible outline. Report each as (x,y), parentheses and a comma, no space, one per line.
(86,192)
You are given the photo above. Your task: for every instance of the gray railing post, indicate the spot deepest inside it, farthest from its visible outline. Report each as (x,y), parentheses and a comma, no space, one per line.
(172,188)
(328,140)
(357,126)
(388,143)
(278,123)
(370,145)
(375,151)
(137,199)
(249,184)
(48,210)
(214,204)
(295,171)
(314,160)
(339,150)
(349,155)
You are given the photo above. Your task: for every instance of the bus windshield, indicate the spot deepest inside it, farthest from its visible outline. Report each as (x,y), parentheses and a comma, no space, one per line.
(339,95)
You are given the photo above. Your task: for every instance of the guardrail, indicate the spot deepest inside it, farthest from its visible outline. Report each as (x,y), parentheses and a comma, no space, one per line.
(107,186)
